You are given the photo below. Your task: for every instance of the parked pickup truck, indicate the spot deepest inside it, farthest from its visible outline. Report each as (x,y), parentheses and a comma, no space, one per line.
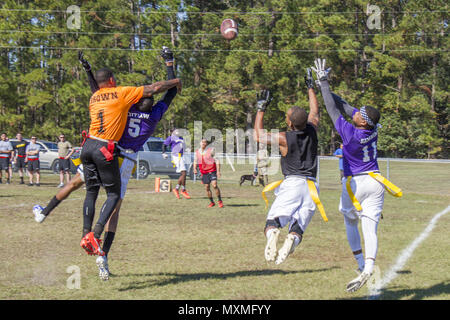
(151,160)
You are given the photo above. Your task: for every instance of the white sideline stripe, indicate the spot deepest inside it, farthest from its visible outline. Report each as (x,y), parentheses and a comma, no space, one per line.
(404,256)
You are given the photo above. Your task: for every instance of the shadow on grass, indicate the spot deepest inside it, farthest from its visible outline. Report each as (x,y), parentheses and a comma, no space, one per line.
(397,293)
(176,278)
(416,294)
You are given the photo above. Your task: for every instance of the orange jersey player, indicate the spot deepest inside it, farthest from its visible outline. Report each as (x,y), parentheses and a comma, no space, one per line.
(108,110)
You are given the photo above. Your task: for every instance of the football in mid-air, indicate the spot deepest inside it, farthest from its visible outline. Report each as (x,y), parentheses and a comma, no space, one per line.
(229,29)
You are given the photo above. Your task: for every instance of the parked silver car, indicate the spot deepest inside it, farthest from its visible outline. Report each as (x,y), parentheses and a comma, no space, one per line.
(151,160)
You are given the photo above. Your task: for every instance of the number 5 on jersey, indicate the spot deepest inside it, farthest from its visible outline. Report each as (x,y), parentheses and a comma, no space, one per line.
(134,127)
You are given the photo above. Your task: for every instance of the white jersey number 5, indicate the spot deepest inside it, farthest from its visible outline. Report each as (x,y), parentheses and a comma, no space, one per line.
(134,127)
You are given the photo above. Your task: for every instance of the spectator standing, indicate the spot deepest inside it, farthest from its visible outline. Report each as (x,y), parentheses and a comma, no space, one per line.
(5,153)
(339,154)
(65,151)
(20,155)
(32,152)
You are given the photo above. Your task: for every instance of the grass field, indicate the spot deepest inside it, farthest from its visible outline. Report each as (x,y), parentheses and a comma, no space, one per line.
(169,249)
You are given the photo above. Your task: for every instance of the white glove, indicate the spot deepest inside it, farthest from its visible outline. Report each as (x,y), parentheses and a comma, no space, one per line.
(165,156)
(321,72)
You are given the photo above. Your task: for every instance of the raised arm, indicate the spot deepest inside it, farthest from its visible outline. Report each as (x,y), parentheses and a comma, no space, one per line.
(313,116)
(167,55)
(161,86)
(330,103)
(259,134)
(87,67)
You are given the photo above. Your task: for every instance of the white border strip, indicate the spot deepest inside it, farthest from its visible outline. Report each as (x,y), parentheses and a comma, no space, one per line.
(375,291)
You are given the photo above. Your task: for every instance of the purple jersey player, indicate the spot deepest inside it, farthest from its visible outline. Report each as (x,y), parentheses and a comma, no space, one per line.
(360,158)
(141,125)
(177,146)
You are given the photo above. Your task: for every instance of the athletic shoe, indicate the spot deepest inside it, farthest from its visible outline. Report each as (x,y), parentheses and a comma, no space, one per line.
(212,204)
(358,282)
(38,216)
(176,193)
(8,181)
(38,184)
(87,246)
(92,244)
(21,182)
(185,194)
(103,269)
(270,251)
(220,204)
(30,184)
(60,185)
(286,249)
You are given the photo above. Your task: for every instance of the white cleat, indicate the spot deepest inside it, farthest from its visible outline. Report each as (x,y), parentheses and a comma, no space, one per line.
(38,216)
(103,269)
(271,247)
(286,249)
(358,282)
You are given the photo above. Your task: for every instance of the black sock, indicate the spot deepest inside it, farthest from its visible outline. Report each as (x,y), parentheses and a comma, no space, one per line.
(51,205)
(211,199)
(98,230)
(220,198)
(108,240)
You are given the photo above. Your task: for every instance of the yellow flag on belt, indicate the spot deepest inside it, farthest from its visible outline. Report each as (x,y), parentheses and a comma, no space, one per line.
(312,191)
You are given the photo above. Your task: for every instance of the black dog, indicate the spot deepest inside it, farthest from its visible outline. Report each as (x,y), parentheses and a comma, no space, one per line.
(248,177)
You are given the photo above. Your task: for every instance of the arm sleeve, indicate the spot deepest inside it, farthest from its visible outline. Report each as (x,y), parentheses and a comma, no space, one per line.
(172,92)
(343,105)
(330,103)
(92,82)
(167,141)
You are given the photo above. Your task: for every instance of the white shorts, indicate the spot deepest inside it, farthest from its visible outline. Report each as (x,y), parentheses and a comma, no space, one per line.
(179,163)
(293,202)
(369,193)
(126,169)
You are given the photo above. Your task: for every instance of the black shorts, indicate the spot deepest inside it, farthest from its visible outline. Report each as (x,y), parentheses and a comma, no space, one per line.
(20,163)
(98,171)
(4,163)
(34,165)
(64,165)
(207,178)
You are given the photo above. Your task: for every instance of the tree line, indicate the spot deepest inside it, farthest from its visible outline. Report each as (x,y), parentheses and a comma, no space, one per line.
(390,54)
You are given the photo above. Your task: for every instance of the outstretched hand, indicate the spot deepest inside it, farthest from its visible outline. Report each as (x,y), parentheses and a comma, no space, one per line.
(83,61)
(167,54)
(309,81)
(263,100)
(321,72)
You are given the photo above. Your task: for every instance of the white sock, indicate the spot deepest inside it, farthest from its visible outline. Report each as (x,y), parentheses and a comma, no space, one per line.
(368,268)
(269,232)
(369,229)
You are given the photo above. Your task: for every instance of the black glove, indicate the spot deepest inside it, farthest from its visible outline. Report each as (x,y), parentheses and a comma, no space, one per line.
(167,54)
(263,100)
(309,81)
(83,61)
